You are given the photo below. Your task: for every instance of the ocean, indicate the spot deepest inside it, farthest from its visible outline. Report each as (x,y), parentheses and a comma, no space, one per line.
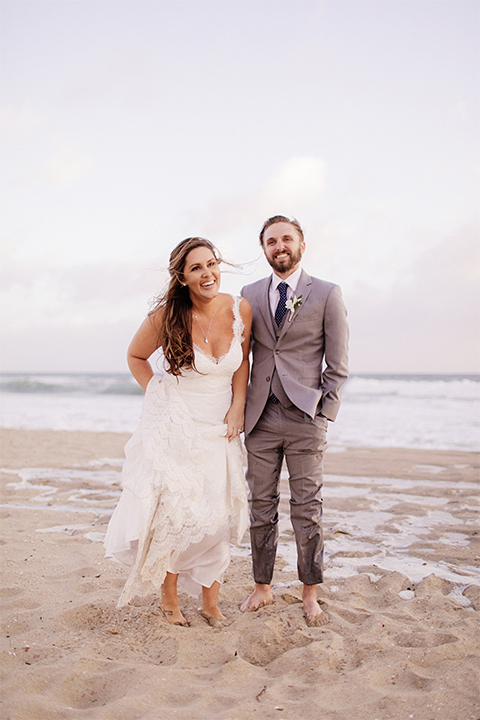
(414,411)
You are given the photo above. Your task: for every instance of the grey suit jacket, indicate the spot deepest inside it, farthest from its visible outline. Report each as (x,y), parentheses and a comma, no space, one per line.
(310,355)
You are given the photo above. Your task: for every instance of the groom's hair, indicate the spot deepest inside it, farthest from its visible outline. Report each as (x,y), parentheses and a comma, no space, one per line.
(278,219)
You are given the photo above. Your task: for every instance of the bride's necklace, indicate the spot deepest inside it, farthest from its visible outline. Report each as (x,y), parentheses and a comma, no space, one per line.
(205,334)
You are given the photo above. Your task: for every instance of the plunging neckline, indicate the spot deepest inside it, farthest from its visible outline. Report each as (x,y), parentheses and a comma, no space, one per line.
(212,358)
(215,360)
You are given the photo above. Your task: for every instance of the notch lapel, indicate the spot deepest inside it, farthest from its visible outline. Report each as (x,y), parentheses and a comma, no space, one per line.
(303,288)
(264,305)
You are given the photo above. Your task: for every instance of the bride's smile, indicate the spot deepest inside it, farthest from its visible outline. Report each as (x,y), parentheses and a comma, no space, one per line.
(202,274)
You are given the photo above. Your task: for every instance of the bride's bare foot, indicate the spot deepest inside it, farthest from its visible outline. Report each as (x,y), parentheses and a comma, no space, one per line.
(169,601)
(261,596)
(174,616)
(214,617)
(210,610)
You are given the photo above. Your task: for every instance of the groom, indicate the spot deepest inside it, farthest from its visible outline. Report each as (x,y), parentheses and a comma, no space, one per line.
(299,345)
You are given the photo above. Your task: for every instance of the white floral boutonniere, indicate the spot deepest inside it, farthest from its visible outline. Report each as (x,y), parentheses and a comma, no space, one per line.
(292,305)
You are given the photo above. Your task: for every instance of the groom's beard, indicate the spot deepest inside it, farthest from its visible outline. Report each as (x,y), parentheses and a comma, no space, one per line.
(286,264)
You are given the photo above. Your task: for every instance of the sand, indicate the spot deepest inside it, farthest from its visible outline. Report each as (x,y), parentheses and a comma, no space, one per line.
(402,593)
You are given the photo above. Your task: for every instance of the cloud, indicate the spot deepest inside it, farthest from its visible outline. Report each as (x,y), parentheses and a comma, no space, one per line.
(97,347)
(431,323)
(296,185)
(9,245)
(78,318)
(82,318)
(120,73)
(324,242)
(17,121)
(48,297)
(68,164)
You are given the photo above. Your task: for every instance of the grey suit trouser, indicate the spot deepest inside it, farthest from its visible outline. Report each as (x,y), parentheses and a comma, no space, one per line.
(286,432)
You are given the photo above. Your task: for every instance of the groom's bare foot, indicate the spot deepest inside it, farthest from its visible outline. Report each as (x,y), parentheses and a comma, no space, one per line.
(261,596)
(314,615)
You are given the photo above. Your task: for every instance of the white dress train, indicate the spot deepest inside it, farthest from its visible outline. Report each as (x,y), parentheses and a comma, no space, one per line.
(184,493)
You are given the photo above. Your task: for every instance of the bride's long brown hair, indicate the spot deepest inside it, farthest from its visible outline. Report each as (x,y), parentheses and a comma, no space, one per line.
(175,331)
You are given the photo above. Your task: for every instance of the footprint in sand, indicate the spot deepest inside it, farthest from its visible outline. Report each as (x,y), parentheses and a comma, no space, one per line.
(83,688)
(7,592)
(420,640)
(265,643)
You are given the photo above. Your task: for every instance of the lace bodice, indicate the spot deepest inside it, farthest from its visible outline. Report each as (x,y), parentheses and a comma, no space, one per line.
(213,376)
(182,414)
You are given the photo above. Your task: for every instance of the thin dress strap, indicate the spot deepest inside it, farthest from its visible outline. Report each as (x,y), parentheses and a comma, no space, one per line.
(238,324)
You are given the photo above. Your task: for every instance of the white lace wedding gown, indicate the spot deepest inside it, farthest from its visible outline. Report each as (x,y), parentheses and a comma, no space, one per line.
(184,492)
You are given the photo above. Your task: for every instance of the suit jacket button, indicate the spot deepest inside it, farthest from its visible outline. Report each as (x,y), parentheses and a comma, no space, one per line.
(277,352)
(268,379)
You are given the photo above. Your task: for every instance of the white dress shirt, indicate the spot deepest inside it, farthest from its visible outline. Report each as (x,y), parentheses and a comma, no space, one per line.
(291,281)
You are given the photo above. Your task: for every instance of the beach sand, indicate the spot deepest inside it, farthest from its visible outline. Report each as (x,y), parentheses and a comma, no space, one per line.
(402,592)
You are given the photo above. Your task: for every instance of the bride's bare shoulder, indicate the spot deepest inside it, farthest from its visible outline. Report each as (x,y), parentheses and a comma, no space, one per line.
(154,321)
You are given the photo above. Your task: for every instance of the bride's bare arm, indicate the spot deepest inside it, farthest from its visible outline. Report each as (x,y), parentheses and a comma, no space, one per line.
(235,416)
(144,343)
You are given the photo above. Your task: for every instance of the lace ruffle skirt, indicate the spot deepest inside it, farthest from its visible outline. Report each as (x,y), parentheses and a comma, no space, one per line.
(184,492)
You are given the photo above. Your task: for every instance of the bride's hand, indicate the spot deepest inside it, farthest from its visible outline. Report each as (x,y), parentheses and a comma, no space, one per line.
(234,421)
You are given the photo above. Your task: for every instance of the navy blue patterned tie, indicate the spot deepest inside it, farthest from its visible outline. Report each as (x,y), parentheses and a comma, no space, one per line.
(281,307)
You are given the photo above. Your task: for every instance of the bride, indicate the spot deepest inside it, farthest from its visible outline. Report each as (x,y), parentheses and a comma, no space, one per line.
(184,492)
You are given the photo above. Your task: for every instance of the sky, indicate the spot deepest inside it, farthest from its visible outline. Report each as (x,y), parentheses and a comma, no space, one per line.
(128,125)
